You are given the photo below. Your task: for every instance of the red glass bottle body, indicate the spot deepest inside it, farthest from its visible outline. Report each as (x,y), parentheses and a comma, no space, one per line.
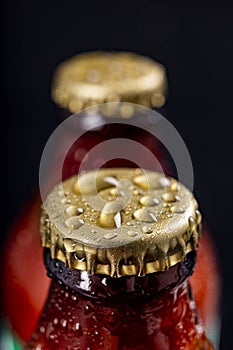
(154,312)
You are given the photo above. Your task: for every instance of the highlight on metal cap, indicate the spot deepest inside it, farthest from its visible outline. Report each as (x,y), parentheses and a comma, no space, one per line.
(120,221)
(97,77)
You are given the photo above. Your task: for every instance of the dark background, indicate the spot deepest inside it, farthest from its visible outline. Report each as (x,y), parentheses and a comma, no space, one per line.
(195,43)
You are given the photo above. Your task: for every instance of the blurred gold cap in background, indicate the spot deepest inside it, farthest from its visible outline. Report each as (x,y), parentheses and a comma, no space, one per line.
(98,77)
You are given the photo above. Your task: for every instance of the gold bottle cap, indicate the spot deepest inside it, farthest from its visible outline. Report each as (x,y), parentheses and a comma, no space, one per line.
(97,77)
(120,221)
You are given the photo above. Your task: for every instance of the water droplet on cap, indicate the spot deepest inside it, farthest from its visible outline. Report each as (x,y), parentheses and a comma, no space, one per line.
(147,229)
(144,215)
(169,197)
(129,223)
(148,201)
(72,210)
(175,187)
(110,215)
(74,222)
(110,235)
(164,181)
(148,181)
(65,201)
(132,233)
(113,192)
(177,210)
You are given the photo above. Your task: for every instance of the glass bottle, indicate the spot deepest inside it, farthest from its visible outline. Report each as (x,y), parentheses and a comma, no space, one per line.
(71,78)
(81,82)
(120,270)
(94,78)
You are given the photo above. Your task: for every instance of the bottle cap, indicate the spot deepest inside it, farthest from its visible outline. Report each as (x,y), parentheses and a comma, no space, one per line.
(98,77)
(120,221)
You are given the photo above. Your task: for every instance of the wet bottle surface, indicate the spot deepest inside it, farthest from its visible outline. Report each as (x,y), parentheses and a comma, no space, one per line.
(24,242)
(120,283)
(165,320)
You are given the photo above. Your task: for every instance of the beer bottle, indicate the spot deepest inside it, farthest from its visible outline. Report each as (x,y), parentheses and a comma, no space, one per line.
(120,246)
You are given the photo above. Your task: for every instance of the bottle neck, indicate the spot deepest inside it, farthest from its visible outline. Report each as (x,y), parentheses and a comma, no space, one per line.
(103,286)
(75,321)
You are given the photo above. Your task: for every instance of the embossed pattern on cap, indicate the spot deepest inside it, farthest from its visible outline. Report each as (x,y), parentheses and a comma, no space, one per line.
(98,77)
(120,221)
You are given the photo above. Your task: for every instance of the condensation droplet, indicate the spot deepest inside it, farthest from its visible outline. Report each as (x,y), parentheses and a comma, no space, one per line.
(127,111)
(74,222)
(72,210)
(113,192)
(144,215)
(132,233)
(129,223)
(64,323)
(42,329)
(38,347)
(175,187)
(78,328)
(55,216)
(110,235)
(55,321)
(148,201)
(148,181)
(164,181)
(65,201)
(177,210)
(110,215)
(166,205)
(169,197)
(147,229)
